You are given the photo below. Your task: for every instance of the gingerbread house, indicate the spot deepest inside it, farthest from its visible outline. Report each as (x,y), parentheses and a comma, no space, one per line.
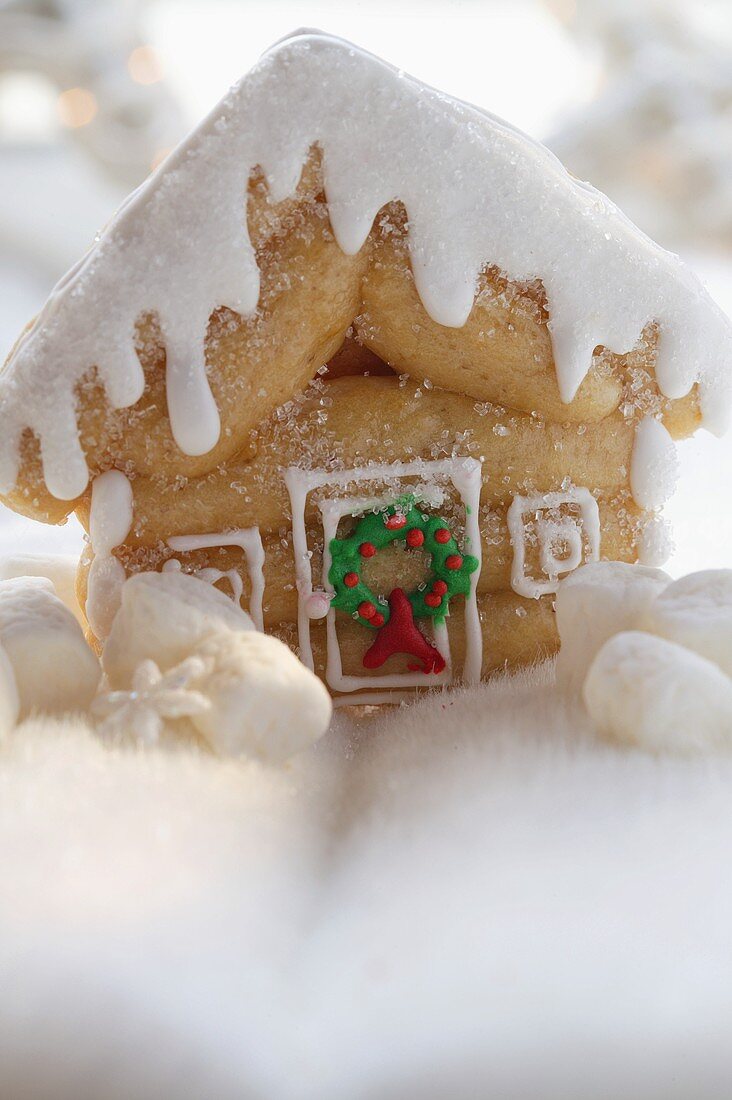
(370,360)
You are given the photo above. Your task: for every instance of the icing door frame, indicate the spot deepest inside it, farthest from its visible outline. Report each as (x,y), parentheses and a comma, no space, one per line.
(466,478)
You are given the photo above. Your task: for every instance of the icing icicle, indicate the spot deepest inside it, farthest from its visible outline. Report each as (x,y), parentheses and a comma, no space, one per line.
(654,466)
(476,192)
(110,521)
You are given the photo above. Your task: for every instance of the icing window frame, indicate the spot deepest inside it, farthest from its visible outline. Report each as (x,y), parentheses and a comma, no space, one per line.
(465,475)
(582,534)
(249,540)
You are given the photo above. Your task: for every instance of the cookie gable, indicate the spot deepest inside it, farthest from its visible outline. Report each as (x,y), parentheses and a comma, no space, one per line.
(371,361)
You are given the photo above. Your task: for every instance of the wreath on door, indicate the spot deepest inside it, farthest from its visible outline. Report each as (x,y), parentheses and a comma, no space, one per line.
(393,616)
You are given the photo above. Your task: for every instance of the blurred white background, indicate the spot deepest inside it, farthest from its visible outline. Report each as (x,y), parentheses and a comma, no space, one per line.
(634,95)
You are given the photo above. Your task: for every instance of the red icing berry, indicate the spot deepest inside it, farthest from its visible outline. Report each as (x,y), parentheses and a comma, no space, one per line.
(442,535)
(367,549)
(415,537)
(454,561)
(395,522)
(433,599)
(366,609)
(377,619)
(351,579)
(439,587)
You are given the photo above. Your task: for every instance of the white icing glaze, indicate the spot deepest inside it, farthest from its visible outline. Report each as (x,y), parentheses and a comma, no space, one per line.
(104,594)
(654,466)
(476,191)
(576,532)
(656,542)
(250,541)
(465,475)
(566,532)
(110,521)
(110,516)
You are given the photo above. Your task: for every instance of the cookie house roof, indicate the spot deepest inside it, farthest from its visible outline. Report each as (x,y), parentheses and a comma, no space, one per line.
(476,192)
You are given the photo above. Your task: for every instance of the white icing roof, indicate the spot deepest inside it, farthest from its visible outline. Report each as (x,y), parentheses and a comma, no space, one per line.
(476,191)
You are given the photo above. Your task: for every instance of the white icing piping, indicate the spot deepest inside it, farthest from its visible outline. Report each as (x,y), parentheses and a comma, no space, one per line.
(476,191)
(656,542)
(552,532)
(110,521)
(654,465)
(548,530)
(247,539)
(373,698)
(211,576)
(465,475)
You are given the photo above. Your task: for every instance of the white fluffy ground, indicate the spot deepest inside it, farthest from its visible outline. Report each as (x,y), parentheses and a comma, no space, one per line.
(470,897)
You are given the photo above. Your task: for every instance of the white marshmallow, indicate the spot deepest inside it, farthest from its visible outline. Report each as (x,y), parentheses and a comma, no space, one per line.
(696,611)
(643,690)
(54,668)
(60,569)
(163,617)
(265,702)
(9,701)
(593,603)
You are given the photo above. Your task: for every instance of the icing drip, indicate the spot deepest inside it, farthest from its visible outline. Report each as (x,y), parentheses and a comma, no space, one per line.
(476,191)
(250,541)
(110,520)
(656,543)
(465,475)
(654,466)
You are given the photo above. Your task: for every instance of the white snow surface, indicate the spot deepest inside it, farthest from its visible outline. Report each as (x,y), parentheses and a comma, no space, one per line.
(468,897)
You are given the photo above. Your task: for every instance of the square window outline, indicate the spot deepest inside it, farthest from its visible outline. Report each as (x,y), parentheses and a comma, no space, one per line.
(249,540)
(537,502)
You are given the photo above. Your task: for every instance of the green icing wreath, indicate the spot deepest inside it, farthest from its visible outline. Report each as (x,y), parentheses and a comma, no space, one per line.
(450,569)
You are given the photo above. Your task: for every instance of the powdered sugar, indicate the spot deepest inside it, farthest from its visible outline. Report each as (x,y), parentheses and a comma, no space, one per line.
(476,191)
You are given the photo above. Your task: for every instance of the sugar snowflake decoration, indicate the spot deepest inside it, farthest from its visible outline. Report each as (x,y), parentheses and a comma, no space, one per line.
(154,697)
